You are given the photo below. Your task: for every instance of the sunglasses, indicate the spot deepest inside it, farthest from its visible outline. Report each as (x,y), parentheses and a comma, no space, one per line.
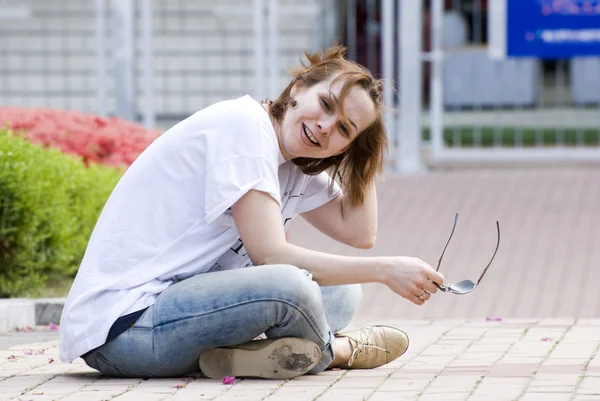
(465,286)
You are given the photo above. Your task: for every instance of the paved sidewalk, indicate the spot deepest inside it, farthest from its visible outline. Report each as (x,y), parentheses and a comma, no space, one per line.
(547,264)
(476,360)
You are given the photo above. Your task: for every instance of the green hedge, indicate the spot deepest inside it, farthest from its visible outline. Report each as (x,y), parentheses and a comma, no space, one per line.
(49,204)
(508,136)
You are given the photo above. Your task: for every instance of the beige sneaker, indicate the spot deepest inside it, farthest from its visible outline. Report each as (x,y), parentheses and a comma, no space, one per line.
(374,346)
(282,358)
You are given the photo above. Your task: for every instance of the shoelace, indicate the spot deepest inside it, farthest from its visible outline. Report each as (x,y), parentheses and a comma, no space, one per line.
(363,343)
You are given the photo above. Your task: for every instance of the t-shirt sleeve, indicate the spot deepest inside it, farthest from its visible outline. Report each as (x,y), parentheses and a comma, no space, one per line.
(227,182)
(317,192)
(241,154)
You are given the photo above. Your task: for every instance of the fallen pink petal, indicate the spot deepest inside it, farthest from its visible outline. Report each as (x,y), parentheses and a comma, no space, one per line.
(493,319)
(229,380)
(12,357)
(52,327)
(546,339)
(23,329)
(28,352)
(179,386)
(39,352)
(50,360)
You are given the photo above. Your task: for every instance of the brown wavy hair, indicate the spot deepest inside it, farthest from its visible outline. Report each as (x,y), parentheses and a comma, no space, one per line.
(358,165)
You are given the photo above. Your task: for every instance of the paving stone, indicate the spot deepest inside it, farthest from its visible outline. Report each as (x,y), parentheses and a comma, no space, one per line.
(499,392)
(379,372)
(551,389)
(587,322)
(401,385)
(523,370)
(132,396)
(548,379)
(454,384)
(447,396)
(495,397)
(358,394)
(288,397)
(549,396)
(589,386)
(358,382)
(387,396)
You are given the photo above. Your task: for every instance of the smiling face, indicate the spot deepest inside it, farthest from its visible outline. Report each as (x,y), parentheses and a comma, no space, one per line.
(314,128)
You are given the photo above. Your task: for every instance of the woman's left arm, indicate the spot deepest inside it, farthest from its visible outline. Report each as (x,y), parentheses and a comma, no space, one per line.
(355,226)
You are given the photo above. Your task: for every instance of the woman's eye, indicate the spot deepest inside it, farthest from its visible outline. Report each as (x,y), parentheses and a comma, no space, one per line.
(325,104)
(345,130)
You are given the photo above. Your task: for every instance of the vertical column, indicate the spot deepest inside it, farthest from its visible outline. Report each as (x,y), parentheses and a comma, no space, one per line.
(408,158)
(274,64)
(148,64)
(101,82)
(387,62)
(436,107)
(123,18)
(497,29)
(258,17)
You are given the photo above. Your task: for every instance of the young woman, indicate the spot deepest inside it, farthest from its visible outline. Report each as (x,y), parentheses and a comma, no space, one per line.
(188,263)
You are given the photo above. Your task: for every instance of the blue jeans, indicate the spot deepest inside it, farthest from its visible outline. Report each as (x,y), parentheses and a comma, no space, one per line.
(227,308)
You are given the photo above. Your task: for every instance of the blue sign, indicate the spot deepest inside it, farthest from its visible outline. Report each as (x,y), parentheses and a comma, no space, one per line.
(553,29)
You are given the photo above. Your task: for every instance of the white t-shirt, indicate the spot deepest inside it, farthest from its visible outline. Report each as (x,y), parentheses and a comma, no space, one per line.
(169,216)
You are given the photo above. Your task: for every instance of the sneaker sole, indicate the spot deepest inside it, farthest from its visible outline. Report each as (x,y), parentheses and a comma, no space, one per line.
(284,358)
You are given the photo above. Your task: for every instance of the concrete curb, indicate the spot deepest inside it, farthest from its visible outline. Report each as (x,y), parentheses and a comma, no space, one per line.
(23,312)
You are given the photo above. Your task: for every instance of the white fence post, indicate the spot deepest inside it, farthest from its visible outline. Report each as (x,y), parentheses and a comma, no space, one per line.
(274,64)
(148,64)
(258,17)
(123,12)
(408,158)
(101,82)
(497,29)
(387,61)
(436,129)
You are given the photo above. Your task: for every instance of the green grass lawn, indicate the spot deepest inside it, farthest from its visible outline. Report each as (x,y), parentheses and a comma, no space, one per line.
(503,136)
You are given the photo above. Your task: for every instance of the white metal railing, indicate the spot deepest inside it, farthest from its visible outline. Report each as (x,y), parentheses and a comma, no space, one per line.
(264,13)
(517,112)
(153,61)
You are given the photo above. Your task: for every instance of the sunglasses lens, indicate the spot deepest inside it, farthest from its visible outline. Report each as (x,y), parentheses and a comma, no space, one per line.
(463,287)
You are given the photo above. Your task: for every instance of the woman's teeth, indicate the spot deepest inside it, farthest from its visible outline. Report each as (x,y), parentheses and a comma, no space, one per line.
(309,135)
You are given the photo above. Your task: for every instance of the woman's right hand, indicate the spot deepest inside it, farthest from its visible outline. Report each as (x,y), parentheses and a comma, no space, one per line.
(411,278)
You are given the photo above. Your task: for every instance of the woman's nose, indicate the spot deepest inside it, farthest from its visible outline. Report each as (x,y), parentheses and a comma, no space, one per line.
(326,124)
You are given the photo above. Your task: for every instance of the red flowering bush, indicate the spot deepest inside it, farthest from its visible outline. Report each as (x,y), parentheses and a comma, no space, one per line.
(107,141)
